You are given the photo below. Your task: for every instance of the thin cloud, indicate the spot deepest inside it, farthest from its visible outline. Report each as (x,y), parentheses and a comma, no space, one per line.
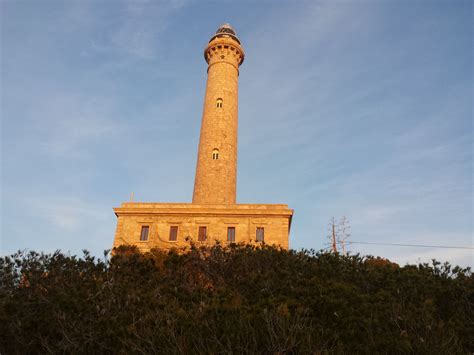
(66,122)
(138,30)
(66,213)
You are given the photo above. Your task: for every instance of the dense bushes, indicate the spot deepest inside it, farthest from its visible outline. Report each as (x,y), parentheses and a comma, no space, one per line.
(236,300)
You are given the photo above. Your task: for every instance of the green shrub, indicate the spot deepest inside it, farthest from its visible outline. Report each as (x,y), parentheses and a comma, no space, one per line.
(240,299)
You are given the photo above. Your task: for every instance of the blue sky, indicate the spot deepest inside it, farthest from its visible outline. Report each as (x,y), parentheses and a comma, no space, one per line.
(355,108)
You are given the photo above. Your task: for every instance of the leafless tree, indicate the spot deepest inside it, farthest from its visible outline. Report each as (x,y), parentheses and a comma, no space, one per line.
(343,233)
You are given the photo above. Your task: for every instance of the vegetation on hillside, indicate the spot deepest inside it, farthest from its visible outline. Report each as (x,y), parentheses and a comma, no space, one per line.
(239,300)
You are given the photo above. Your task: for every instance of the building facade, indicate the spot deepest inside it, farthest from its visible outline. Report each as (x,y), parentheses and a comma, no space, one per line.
(214,215)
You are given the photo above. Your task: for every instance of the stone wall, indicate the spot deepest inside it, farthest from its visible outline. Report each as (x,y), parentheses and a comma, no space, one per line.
(275,219)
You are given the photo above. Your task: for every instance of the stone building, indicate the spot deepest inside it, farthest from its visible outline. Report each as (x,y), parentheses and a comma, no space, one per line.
(214,215)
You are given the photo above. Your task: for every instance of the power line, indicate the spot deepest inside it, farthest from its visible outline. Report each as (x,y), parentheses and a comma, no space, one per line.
(414,245)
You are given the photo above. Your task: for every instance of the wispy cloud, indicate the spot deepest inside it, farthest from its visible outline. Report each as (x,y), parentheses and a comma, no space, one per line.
(68,123)
(137,28)
(67,213)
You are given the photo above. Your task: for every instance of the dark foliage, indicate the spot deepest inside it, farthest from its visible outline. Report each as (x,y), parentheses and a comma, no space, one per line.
(239,300)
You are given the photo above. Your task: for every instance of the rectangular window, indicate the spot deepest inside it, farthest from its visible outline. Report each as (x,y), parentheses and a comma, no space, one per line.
(202,235)
(144,233)
(173,233)
(260,236)
(231,234)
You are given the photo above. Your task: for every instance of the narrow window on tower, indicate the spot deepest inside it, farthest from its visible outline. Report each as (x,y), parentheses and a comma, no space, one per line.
(173,233)
(231,234)
(202,234)
(144,233)
(260,235)
(215,154)
(219,103)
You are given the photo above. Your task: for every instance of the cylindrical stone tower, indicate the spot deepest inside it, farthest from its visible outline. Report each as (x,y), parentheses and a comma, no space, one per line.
(216,169)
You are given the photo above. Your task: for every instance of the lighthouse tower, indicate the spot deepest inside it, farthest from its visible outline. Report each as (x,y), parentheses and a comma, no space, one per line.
(214,215)
(216,171)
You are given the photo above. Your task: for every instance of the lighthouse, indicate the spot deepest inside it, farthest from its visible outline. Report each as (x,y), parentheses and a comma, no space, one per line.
(216,170)
(213,216)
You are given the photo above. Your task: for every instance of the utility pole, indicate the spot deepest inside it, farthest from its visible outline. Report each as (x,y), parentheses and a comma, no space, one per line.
(338,233)
(332,236)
